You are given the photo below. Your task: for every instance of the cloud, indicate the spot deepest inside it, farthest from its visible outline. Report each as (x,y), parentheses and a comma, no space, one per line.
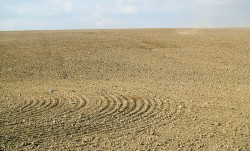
(67,6)
(127,9)
(22,10)
(214,2)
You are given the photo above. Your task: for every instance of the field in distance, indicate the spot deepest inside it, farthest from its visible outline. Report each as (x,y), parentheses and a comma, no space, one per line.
(126,89)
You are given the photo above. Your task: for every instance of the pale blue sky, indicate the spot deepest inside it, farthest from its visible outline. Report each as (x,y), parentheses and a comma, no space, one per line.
(92,14)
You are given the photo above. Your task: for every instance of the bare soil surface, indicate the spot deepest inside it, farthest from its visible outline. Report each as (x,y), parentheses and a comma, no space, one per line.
(137,89)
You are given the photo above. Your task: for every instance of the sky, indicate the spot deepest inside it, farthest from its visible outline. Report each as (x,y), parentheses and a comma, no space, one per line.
(109,14)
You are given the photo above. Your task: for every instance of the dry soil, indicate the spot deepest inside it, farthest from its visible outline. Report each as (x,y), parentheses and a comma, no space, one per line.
(137,89)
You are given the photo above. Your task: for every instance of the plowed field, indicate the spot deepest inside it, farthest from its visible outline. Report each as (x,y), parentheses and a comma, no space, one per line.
(137,89)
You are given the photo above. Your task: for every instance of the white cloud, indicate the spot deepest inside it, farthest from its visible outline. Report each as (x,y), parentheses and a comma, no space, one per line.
(129,9)
(123,6)
(214,2)
(67,6)
(103,22)
(21,10)
(57,6)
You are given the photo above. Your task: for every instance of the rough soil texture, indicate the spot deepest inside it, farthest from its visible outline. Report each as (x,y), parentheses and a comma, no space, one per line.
(138,89)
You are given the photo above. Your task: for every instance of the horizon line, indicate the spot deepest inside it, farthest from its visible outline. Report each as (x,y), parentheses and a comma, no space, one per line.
(133,28)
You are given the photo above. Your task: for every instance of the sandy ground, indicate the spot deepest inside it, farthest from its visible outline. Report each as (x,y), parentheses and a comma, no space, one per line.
(138,89)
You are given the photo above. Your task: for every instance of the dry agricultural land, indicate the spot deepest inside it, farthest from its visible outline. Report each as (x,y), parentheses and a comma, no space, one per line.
(137,89)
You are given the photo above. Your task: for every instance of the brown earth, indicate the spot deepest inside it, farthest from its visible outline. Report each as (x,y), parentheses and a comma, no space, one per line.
(138,89)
